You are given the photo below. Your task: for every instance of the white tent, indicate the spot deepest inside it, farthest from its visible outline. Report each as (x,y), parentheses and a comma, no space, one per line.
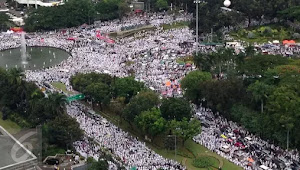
(264,167)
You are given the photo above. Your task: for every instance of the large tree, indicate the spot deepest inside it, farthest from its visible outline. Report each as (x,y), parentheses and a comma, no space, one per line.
(258,64)
(191,82)
(55,105)
(127,87)
(175,108)
(145,100)
(4,19)
(99,165)
(150,122)
(260,92)
(73,13)
(63,131)
(99,93)
(185,129)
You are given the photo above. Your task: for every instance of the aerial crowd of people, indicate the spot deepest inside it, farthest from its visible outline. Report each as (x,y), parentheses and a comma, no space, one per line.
(234,143)
(155,58)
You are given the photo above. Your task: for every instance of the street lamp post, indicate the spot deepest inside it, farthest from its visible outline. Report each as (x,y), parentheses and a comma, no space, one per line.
(226,3)
(287,139)
(287,136)
(175,144)
(197,2)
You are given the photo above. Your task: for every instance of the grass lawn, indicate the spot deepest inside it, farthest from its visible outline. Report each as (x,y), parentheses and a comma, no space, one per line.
(61,86)
(176,25)
(185,155)
(264,33)
(10,126)
(212,159)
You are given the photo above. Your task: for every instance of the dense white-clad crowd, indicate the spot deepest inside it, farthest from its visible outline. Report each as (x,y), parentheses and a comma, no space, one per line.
(153,57)
(130,150)
(234,143)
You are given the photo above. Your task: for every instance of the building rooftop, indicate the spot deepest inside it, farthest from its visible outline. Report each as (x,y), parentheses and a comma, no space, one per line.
(12,151)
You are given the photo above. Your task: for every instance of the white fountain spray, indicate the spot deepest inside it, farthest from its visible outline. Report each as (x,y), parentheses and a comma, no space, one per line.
(23,49)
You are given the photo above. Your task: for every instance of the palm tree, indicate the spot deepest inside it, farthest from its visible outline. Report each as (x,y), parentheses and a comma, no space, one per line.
(15,76)
(260,92)
(56,104)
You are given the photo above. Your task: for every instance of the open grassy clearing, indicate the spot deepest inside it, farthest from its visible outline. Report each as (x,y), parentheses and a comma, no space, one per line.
(10,126)
(62,87)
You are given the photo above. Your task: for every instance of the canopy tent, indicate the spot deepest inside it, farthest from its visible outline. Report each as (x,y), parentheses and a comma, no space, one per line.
(138,11)
(17,29)
(9,32)
(264,167)
(110,41)
(98,35)
(168,83)
(250,159)
(288,42)
(188,64)
(71,38)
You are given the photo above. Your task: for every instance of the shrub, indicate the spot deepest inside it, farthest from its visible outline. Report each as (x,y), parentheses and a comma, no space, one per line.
(90,160)
(202,162)
(251,35)
(267,32)
(19,120)
(296,36)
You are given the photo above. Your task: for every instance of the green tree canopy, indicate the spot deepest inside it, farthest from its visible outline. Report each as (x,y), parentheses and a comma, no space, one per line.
(98,92)
(258,64)
(145,100)
(99,165)
(260,92)
(127,87)
(73,13)
(161,4)
(151,122)
(190,84)
(185,129)
(4,19)
(221,95)
(63,131)
(292,13)
(175,108)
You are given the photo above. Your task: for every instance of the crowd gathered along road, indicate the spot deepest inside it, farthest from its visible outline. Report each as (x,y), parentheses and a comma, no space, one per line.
(154,55)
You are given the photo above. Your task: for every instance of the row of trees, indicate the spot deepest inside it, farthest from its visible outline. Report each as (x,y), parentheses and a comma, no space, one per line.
(261,92)
(242,10)
(139,106)
(74,13)
(24,103)
(4,20)
(77,12)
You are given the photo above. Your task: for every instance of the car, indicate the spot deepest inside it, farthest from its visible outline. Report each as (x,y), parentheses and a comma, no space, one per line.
(225,148)
(68,152)
(204,124)
(52,161)
(239,144)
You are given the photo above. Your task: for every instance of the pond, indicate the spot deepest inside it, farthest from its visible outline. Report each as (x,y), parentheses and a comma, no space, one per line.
(39,57)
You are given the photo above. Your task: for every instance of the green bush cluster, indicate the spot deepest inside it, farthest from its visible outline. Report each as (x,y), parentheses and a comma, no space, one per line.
(19,120)
(266,32)
(202,162)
